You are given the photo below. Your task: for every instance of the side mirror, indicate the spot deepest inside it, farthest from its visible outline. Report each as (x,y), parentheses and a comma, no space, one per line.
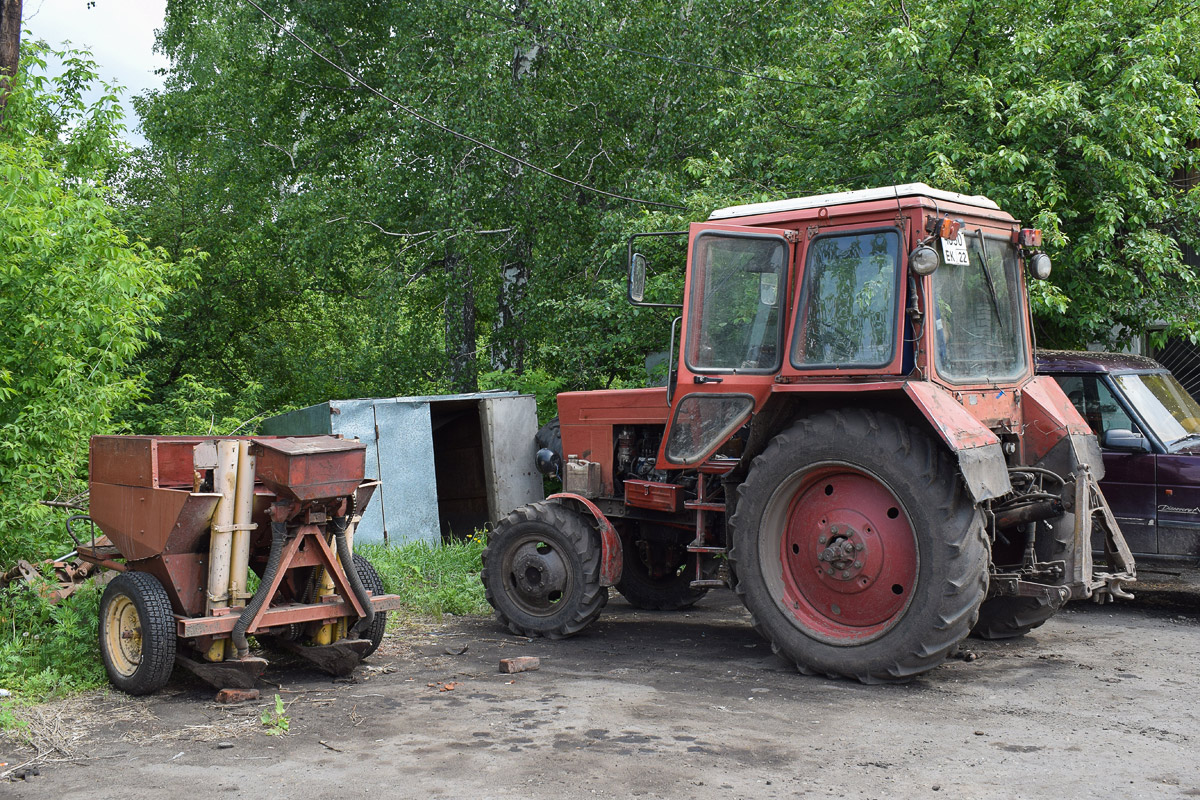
(768,288)
(637,278)
(1124,440)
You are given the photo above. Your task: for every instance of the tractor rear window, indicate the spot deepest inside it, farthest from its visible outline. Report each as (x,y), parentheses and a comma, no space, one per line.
(978,330)
(848,314)
(738,285)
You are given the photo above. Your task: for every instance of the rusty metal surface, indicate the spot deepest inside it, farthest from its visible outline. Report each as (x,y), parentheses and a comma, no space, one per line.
(140,520)
(123,460)
(279,616)
(1048,418)
(957,427)
(310,468)
(611,559)
(656,496)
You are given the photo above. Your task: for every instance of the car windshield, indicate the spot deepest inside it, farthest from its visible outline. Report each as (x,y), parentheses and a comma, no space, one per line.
(1165,406)
(978,327)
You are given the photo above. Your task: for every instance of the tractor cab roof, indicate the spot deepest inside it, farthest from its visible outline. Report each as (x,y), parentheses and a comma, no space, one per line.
(857,196)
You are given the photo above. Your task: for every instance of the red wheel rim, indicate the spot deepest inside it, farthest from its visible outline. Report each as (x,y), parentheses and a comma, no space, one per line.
(848,555)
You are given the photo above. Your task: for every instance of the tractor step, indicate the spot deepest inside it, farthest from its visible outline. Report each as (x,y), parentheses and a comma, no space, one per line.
(704,548)
(696,505)
(708,584)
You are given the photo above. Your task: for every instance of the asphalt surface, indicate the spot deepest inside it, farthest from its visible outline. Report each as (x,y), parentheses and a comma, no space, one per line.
(1099,702)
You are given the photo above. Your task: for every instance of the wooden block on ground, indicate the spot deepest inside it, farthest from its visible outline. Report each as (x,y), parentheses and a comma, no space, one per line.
(237,695)
(519,664)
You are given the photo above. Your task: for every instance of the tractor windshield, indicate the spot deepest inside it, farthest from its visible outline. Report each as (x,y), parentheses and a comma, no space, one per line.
(979,332)
(738,284)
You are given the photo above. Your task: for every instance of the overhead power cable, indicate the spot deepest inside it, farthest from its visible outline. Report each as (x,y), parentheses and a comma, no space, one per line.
(641,53)
(446,129)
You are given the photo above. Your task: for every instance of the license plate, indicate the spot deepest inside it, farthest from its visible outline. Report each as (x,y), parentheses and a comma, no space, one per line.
(954,251)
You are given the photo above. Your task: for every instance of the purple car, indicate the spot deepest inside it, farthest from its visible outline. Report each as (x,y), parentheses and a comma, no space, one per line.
(1149,430)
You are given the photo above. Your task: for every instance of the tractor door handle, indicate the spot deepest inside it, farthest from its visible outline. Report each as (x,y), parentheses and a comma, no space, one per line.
(706,379)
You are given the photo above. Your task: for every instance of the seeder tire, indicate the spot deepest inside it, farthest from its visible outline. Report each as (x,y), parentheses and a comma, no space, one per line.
(858,551)
(541,571)
(137,633)
(373,584)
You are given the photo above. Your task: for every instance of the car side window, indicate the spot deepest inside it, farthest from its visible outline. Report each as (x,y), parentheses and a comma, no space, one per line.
(1096,403)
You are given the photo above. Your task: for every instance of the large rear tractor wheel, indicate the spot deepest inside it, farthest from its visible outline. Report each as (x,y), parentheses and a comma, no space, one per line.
(541,571)
(373,584)
(657,575)
(857,549)
(137,633)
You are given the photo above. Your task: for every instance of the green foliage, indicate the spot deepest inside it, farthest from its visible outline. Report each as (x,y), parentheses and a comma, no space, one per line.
(432,579)
(49,649)
(276,720)
(536,382)
(78,298)
(1080,118)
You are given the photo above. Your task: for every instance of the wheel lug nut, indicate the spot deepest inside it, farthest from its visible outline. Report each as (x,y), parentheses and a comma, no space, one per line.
(821,540)
(857,564)
(829,571)
(858,546)
(833,529)
(845,574)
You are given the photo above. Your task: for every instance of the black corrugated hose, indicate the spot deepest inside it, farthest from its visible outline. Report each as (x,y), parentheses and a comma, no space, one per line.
(347,558)
(278,538)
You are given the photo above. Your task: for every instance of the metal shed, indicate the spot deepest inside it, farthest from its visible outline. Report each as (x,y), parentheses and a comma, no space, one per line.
(447,464)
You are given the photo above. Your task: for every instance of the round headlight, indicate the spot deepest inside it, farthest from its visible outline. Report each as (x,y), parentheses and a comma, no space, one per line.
(923,260)
(1040,265)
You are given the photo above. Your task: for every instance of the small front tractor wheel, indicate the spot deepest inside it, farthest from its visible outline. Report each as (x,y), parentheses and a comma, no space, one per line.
(657,575)
(373,584)
(541,571)
(137,633)
(857,549)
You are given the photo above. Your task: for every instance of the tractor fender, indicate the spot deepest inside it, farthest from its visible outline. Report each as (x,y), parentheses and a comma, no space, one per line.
(1056,435)
(980,457)
(611,559)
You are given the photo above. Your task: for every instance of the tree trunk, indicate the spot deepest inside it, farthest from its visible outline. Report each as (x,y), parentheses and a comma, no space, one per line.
(10,47)
(510,344)
(459,315)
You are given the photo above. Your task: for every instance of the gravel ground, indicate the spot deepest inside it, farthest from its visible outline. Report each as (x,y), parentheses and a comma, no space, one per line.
(1098,702)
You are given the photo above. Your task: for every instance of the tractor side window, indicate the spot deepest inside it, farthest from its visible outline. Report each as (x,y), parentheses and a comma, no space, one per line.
(848,313)
(738,284)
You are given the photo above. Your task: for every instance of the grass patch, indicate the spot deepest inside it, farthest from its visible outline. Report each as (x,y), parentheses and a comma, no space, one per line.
(432,579)
(48,650)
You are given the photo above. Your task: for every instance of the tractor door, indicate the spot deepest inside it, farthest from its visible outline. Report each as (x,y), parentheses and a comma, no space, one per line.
(731,344)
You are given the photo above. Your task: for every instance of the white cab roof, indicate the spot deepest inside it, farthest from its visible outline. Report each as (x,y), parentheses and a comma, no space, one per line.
(857,196)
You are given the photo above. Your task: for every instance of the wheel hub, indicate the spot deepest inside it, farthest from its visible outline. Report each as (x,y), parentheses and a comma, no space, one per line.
(849,557)
(841,554)
(123,630)
(538,575)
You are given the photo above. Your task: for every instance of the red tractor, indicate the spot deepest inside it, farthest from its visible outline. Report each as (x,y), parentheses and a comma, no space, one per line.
(851,436)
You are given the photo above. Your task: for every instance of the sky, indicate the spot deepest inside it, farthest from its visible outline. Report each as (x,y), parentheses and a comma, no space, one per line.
(119,33)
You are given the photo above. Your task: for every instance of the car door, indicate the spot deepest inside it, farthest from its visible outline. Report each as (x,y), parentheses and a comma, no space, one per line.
(1178,521)
(1130,479)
